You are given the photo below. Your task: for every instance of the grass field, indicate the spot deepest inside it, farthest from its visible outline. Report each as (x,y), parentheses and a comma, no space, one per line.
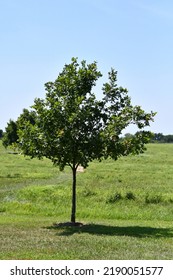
(126,208)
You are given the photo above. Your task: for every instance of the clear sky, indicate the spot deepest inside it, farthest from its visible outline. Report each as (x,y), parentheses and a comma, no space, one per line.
(37,37)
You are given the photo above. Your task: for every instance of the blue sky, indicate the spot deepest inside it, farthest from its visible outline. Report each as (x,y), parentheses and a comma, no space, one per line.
(133,36)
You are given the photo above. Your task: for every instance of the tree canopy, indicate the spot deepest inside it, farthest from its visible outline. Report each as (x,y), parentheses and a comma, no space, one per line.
(160,138)
(10,136)
(71,127)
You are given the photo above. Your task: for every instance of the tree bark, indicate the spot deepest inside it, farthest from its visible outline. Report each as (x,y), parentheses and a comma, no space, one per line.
(73,212)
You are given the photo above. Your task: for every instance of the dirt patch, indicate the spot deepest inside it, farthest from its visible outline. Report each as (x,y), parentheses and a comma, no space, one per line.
(80,169)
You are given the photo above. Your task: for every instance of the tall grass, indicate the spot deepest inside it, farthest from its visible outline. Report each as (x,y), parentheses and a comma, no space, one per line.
(124,204)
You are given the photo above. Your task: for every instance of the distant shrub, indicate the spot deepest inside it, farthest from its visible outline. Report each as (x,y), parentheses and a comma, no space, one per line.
(130,196)
(114,198)
(155,199)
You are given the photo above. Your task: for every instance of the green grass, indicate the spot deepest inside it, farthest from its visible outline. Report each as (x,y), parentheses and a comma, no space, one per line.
(126,207)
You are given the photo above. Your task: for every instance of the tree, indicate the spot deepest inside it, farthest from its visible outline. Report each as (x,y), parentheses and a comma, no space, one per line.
(1,133)
(10,136)
(168,138)
(73,128)
(160,138)
(26,117)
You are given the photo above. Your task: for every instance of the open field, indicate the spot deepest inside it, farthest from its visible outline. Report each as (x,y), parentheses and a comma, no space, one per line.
(126,207)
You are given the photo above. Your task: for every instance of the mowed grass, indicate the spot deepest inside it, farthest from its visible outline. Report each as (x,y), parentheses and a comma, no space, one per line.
(126,208)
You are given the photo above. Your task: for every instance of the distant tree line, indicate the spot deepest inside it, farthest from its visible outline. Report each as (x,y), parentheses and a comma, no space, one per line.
(156,138)
(160,138)
(1,133)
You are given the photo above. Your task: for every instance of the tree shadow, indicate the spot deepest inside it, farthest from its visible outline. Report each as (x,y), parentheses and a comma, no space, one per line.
(101,230)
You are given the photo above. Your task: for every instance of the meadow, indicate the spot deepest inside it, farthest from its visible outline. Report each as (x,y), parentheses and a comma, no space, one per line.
(126,208)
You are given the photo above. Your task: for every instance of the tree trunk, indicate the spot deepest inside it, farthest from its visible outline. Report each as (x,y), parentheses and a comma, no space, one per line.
(73,212)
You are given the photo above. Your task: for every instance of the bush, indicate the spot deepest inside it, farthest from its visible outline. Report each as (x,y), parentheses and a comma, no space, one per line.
(130,196)
(155,199)
(114,198)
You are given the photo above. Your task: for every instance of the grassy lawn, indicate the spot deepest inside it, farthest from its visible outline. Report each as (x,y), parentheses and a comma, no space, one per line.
(126,208)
